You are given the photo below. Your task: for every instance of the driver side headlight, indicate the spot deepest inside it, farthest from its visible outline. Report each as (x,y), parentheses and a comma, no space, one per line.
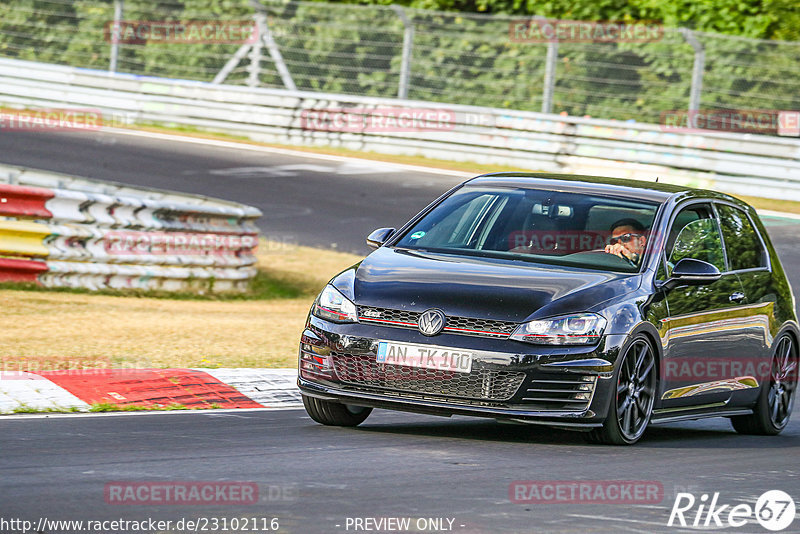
(577,329)
(331,305)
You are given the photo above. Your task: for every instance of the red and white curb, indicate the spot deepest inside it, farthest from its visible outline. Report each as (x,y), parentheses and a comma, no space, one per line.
(79,390)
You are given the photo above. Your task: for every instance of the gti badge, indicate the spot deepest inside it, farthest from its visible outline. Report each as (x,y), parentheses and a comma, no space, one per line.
(431,322)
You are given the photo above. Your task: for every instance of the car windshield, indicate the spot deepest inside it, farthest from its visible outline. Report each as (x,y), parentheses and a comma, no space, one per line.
(570,229)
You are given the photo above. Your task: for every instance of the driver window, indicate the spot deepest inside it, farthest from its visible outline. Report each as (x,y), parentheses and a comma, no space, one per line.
(695,234)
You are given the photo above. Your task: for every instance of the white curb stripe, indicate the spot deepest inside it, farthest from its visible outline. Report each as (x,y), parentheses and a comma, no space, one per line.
(272,388)
(22,391)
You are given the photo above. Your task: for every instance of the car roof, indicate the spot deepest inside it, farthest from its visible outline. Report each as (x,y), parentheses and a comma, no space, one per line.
(575,183)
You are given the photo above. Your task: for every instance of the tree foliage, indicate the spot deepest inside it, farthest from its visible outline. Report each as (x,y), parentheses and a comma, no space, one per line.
(764,19)
(459,53)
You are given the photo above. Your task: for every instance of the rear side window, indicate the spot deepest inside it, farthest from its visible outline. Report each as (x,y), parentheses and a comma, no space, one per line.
(745,250)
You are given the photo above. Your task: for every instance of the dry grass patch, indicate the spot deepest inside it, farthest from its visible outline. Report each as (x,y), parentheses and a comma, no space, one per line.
(55,330)
(304,267)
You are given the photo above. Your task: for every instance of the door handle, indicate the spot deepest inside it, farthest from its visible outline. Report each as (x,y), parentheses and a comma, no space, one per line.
(736,297)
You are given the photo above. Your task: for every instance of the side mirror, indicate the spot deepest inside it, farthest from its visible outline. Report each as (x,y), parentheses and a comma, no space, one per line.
(691,272)
(379,237)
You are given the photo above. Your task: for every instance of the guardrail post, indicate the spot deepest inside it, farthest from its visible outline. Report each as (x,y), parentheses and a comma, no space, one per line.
(254,69)
(408,42)
(112,65)
(265,37)
(549,76)
(231,64)
(698,69)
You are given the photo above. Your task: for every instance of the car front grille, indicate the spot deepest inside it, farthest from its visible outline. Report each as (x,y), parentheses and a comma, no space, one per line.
(560,392)
(362,371)
(455,325)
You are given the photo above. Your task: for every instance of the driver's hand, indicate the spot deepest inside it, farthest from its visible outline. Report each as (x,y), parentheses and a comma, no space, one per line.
(619,250)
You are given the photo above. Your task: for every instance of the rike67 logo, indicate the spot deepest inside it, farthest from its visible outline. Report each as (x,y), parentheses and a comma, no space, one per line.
(774,510)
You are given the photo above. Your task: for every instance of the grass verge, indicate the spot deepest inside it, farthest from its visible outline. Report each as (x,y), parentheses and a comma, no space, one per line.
(45,330)
(24,408)
(110,407)
(285,271)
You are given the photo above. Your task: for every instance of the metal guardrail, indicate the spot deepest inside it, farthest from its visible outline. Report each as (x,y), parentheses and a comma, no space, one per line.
(636,69)
(64,231)
(746,164)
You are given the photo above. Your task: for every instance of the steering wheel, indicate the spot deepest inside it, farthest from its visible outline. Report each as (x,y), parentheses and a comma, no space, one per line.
(626,259)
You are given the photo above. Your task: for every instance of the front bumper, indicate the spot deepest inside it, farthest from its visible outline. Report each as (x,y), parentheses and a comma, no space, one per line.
(568,387)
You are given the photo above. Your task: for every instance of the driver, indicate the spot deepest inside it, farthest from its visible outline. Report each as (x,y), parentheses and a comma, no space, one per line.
(627,240)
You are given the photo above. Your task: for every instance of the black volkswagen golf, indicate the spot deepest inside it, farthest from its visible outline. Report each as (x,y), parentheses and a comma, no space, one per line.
(579,302)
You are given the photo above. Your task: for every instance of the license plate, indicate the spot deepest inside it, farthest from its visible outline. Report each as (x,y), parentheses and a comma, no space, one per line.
(424,356)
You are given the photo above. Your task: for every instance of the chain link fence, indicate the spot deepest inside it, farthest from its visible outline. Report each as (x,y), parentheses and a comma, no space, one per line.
(390,51)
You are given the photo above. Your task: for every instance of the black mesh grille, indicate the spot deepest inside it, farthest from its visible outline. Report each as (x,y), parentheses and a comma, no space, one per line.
(457,325)
(481,325)
(561,392)
(382,315)
(481,384)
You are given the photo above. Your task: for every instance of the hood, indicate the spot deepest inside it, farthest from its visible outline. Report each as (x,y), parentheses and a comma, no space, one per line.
(486,288)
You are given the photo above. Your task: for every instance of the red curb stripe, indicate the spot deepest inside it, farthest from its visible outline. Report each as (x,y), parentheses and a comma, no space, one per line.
(12,270)
(150,387)
(22,201)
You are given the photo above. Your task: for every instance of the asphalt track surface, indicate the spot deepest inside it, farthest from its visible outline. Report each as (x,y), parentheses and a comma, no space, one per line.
(313,201)
(314,478)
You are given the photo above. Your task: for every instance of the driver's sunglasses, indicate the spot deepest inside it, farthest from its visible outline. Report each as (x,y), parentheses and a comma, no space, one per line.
(624,238)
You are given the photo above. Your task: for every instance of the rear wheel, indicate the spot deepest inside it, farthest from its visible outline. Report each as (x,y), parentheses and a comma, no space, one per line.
(776,399)
(632,402)
(333,413)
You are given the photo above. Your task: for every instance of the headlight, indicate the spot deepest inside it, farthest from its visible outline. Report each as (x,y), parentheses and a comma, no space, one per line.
(578,329)
(333,306)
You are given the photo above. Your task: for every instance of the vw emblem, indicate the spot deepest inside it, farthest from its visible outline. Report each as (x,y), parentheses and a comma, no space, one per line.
(431,322)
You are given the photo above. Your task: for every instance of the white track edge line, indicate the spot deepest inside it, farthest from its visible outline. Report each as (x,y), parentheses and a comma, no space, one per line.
(209,411)
(329,157)
(284,151)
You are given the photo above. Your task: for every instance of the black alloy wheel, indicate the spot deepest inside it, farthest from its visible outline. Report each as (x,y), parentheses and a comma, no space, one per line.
(774,406)
(632,403)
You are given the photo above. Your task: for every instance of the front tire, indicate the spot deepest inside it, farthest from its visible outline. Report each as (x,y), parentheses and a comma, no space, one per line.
(334,414)
(634,395)
(776,399)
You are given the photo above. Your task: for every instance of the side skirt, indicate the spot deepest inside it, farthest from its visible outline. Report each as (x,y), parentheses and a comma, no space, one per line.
(717,409)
